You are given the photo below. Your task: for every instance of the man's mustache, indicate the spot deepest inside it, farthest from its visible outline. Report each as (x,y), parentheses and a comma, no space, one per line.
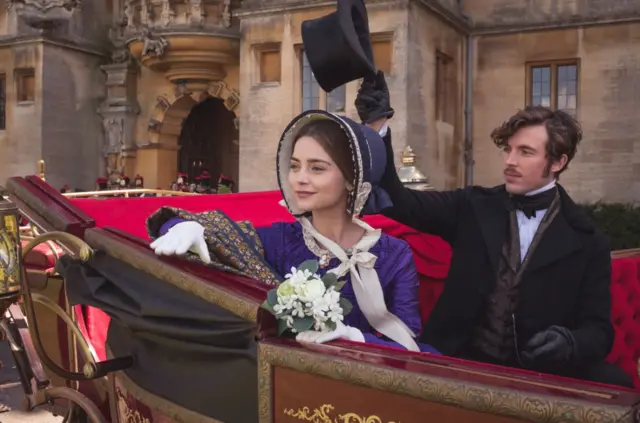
(511,172)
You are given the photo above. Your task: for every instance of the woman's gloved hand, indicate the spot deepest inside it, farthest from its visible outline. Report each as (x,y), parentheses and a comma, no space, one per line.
(183,237)
(341,332)
(373,101)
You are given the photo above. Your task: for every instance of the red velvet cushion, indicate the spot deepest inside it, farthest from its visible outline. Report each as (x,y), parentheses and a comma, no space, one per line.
(625,314)
(41,256)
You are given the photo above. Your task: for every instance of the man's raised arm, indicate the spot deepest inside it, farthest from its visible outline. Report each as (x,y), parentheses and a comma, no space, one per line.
(432,212)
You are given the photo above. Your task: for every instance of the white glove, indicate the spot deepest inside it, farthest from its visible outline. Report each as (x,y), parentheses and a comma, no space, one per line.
(183,237)
(341,332)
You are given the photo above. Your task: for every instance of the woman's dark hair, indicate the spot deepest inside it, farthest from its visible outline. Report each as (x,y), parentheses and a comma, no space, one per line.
(563,132)
(333,139)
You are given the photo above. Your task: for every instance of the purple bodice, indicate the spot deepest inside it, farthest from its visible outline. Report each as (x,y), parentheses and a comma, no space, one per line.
(285,248)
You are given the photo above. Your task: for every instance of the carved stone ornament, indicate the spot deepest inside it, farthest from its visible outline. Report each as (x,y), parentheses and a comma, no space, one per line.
(114,134)
(167,14)
(153,46)
(226,14)
(114,149)
(195,13)
(120,52)
(45,13)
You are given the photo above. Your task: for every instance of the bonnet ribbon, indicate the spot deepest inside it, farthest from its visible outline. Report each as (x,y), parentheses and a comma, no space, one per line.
(370,297)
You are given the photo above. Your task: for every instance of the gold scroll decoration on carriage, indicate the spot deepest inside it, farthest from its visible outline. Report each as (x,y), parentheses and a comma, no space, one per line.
(324,414)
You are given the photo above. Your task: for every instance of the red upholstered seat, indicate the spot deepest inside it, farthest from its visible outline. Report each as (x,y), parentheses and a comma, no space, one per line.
(431,253)
(42,256)
(625,313)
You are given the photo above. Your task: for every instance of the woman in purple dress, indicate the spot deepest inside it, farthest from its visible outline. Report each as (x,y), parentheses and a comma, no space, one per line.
(328,167)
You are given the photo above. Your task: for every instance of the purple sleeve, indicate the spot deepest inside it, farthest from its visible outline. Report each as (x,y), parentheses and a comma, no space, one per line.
(402,298)
(272,239)
(169,224)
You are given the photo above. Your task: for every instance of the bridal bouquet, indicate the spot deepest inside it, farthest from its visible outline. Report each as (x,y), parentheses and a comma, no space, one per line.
(305,301)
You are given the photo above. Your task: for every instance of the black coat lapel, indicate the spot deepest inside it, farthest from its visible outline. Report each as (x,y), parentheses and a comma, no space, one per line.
(493,219)
(562,237)
(557,241)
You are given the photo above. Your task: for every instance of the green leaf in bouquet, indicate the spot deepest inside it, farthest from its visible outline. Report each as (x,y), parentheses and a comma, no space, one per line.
(282,327)
(331,325)
(303,324)
(338,286)
(345,305)
(329,279)
(310,265)
(272,296)
(265,305)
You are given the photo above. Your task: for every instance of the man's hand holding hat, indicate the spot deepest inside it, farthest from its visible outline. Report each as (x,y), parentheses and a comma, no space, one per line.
(373,101)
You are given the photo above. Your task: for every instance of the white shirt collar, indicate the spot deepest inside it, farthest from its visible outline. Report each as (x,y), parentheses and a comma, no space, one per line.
(543,189)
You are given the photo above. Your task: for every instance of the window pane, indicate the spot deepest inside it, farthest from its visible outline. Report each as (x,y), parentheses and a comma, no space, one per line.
(541,86)
(310,94)
(567,87)
(546,74)
(562,102)
(336,99)
(536,75)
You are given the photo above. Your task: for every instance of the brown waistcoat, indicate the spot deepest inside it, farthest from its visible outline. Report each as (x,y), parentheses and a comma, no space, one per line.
(494,336)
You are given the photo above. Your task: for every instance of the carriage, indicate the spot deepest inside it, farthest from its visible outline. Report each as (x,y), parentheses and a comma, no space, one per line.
(137,365)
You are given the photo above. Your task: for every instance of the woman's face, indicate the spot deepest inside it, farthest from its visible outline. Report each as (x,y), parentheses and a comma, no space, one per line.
(315,179)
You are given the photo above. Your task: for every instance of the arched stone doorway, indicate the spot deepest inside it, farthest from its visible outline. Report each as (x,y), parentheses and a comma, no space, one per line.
(209,141)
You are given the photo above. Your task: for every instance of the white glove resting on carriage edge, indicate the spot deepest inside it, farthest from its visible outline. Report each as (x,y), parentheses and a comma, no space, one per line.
(183,237)
(341,332)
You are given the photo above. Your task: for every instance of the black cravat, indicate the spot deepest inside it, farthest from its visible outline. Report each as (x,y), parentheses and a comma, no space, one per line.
(529,204)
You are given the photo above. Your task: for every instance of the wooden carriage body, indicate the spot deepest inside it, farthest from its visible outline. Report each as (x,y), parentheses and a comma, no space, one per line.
(292,382)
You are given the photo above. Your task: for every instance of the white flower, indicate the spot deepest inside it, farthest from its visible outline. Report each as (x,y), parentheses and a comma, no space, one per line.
(284,304)
(286,289)
(297,277)
(332,297)
(335,313)
(319,306)
(288,320)
(319,325)
(311,290)
(298,309)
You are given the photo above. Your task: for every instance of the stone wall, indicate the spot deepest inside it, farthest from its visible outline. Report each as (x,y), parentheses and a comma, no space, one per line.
(20,143)
(607,165)
(72,136)
(438,144)
(519,13)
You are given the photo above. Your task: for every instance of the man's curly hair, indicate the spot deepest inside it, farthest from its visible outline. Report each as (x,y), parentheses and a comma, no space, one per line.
(563,131)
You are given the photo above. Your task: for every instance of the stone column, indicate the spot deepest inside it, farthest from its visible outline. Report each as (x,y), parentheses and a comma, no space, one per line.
(119,112)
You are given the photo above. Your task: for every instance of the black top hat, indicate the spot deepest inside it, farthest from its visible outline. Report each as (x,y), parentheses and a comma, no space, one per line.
(338,45)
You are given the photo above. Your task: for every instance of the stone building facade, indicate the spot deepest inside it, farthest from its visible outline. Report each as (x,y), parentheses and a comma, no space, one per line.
(153,87)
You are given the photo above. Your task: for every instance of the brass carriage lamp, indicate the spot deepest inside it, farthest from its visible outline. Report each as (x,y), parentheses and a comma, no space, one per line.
(410,175)
(10,250)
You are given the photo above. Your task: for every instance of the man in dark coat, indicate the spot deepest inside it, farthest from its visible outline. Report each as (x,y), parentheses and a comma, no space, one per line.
(529,280)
